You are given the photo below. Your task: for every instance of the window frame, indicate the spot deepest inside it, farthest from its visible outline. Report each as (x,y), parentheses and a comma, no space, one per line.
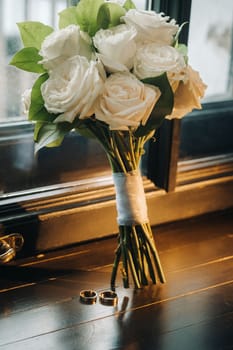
(170,171)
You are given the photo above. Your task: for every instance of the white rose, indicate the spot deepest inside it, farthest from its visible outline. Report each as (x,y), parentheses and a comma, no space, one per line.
(116,47)
(125,102)
(64,43)
(188,94)
(152,26)
(26,100)
(72,89)
(152,60)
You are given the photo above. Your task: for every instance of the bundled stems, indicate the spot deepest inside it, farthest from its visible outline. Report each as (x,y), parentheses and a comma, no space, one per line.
(136,250)
(139,255)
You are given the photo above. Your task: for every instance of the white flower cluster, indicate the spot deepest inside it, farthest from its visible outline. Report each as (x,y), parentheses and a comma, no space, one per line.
(102,75)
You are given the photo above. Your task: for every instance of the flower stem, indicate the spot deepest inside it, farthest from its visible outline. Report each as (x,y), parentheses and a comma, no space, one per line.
(115,267)
(138,249)
(155,254)
(117,153)
(124,270)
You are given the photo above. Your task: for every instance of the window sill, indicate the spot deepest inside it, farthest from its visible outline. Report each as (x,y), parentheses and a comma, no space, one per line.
(76,216)
(200,169)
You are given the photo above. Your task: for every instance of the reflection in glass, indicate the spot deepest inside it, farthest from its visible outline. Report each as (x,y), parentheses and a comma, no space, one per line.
(208,132)
(14,82)
(210,46)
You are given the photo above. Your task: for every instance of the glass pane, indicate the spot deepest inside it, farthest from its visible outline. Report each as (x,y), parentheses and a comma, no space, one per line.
(77,159)
(140,4)
(208,132)
(13,81)
(210,46)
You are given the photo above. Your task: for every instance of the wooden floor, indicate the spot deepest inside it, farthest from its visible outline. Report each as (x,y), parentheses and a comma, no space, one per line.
(40,307)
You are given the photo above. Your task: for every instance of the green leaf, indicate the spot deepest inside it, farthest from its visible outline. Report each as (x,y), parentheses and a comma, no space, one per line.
(83,130)
(67,17)
(111,13)
(128,5)
(33,33)
(47,133)
(183,49)
(86,133)
(87,12)
(37,127)
(162,108)
(103,17)
(27,59)
(50,134)
(37,111)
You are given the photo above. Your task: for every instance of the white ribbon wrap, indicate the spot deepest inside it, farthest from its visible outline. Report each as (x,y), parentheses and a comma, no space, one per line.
(130,199)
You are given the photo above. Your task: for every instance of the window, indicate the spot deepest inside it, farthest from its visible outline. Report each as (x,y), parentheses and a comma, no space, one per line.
(206,136)
(51,198)
(22,171)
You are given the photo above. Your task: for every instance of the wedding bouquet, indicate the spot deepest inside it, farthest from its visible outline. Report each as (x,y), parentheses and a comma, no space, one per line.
(113,73)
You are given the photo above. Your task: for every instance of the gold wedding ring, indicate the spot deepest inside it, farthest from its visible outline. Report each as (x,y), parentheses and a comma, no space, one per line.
(108,298)
(88,296)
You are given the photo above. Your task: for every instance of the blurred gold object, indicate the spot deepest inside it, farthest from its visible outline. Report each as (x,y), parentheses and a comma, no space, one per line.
(9,246)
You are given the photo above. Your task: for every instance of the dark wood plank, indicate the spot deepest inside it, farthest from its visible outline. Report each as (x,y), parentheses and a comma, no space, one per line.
(36,295)
(40,308)
(179,285)
(186,258)
(201,321)
(178,263)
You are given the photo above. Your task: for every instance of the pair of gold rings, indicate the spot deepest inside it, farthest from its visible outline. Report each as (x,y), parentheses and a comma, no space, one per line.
(89,297)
